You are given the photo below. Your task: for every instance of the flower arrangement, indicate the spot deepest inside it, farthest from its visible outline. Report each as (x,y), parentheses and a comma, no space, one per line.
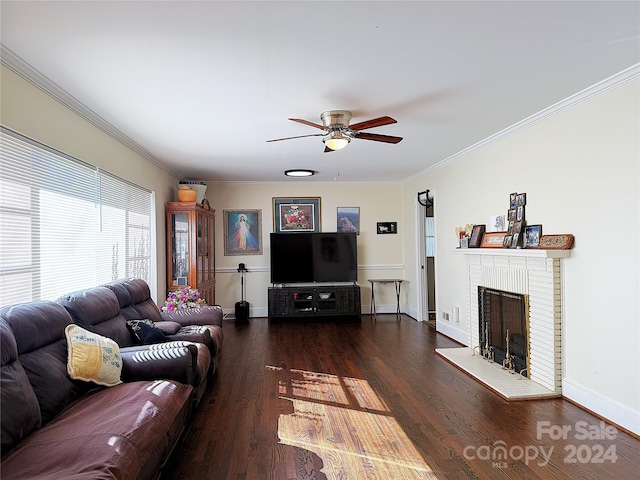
(182,299)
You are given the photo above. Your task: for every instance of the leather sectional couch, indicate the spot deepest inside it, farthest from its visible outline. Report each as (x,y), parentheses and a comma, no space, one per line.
(54,426)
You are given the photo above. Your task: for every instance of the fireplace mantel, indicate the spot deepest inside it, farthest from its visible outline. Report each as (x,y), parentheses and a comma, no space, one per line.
(514,252)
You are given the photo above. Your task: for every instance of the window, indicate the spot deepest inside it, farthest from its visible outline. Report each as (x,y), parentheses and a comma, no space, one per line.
(430,235)
(66,225)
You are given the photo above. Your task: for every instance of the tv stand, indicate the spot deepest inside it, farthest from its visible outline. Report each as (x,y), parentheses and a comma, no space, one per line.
(317,300)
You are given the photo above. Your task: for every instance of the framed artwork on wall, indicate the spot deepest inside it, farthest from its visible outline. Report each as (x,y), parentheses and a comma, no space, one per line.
(386,227)
(348,219)
(296,214)
(242,232)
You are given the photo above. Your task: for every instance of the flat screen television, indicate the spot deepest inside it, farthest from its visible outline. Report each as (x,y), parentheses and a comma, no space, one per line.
(314,257)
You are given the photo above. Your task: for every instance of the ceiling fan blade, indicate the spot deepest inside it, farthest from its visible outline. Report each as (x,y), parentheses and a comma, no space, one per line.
(299,136)
(378,138)
(307,122)
(375,122)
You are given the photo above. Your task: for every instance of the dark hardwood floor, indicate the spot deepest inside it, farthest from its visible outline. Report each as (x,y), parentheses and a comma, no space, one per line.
(328,400)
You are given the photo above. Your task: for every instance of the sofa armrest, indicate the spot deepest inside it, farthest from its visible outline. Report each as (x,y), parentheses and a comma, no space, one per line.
(208,315)
(146,363)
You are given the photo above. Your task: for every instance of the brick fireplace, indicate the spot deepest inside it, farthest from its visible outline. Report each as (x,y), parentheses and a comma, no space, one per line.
(536,274)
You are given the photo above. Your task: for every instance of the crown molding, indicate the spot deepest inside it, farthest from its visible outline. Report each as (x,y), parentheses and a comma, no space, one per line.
(14,63)
(627,75)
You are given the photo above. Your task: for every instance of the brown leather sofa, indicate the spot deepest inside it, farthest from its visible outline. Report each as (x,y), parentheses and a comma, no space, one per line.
(54,427)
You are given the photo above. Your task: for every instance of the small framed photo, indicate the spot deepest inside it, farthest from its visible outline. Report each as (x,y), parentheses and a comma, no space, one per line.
(532,234)
(512,200)
(348,219)
(492,239)
(515,240)
(511,215)
(517,226)
(296,214)
(506,243)
(476,236)
(386,227)
(521,199)
(510,229)
(520,213)
(242,232)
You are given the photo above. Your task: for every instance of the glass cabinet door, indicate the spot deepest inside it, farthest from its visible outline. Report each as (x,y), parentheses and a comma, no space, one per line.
(211,249)
(180,249)
(202,247)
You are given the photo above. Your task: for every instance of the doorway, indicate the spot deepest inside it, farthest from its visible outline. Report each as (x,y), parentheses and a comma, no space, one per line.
(426,256)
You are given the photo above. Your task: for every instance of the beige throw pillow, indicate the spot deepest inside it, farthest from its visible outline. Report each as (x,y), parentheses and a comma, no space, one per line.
(92,357)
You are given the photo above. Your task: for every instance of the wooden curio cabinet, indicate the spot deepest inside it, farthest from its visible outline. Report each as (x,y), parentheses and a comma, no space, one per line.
(191,247)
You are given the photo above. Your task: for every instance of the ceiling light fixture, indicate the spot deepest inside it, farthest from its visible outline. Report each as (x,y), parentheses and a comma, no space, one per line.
(336,140)
(299,172)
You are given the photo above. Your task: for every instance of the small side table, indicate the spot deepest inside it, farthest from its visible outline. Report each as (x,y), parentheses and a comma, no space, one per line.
(397,282)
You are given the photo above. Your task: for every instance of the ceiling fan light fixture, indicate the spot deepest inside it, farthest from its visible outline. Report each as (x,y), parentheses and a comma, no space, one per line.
(336,140)
(299,172)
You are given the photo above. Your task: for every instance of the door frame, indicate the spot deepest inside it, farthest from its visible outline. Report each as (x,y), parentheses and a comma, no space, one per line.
(422,310)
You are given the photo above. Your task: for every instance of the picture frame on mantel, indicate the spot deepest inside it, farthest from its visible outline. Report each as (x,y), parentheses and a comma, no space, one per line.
(556,242)
(532,234)
(492,240)
(476,236)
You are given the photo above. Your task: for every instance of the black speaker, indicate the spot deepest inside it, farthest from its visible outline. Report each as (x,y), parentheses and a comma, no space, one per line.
(242,311)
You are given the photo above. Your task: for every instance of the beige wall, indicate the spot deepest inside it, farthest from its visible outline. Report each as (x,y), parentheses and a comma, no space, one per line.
(580,170)
(29,111)
(379,256)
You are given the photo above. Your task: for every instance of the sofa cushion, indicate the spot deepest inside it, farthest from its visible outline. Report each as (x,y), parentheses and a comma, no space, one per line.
(92,357)
(97,309)
(38,328)
(141,299)
(168,328)
(123,432)
(20,410)
(146,332)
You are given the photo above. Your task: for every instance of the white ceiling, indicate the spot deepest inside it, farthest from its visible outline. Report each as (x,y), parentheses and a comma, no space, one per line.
(202,85)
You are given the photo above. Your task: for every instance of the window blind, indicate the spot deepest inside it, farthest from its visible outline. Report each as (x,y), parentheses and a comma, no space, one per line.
(66,225)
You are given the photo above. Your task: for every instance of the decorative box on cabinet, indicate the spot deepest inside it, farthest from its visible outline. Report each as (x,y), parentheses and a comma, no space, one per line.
(314,301)
(191,247)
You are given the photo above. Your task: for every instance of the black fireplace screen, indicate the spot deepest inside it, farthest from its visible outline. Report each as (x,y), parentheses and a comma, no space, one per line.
(504,328)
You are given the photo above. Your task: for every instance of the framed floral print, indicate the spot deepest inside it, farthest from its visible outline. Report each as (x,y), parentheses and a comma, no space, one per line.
(296,214)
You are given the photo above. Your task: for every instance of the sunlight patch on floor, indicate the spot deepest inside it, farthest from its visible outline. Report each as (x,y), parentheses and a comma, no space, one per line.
(348,427)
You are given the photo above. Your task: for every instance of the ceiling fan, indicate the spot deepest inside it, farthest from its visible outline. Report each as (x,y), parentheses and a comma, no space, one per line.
(338,133)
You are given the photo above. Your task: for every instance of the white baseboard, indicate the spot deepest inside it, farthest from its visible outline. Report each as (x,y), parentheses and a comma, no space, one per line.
(609,409)
(454,333)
